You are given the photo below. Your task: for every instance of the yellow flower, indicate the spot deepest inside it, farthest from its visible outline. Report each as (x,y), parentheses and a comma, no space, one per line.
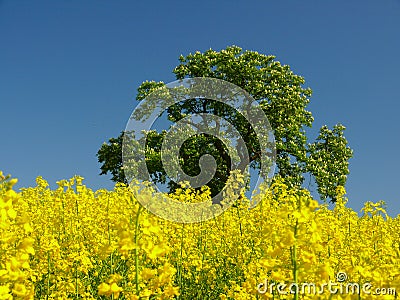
(104,289)
(115,290)
(156,251)
(26,245)
(71,237)
(148,273)
(19,290)
(5,292)
(12,214)
(171,291)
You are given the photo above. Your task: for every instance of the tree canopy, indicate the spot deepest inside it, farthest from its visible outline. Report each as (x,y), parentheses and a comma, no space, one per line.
(282,97)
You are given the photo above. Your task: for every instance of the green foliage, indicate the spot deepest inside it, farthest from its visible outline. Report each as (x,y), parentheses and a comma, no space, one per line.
(111,156)
(282,97)
(328,160)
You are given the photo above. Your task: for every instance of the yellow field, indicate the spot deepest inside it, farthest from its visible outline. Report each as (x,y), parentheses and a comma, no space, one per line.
(74,243)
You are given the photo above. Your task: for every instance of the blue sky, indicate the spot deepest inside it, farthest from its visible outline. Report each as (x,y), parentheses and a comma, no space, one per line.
(69,71)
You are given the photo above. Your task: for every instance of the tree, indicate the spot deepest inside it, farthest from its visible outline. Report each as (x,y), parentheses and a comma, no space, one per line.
(282,97)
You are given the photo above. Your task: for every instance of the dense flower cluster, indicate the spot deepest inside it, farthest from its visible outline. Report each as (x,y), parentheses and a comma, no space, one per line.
(75,243)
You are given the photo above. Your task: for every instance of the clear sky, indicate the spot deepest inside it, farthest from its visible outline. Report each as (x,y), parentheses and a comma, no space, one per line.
(69,71)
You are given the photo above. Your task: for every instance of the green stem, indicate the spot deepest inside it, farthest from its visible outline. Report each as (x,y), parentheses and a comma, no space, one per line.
(240,221)
(180,260)
(111,263)
(48,276)
(137,250)
(108,221)
(76,282)
(294,262)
